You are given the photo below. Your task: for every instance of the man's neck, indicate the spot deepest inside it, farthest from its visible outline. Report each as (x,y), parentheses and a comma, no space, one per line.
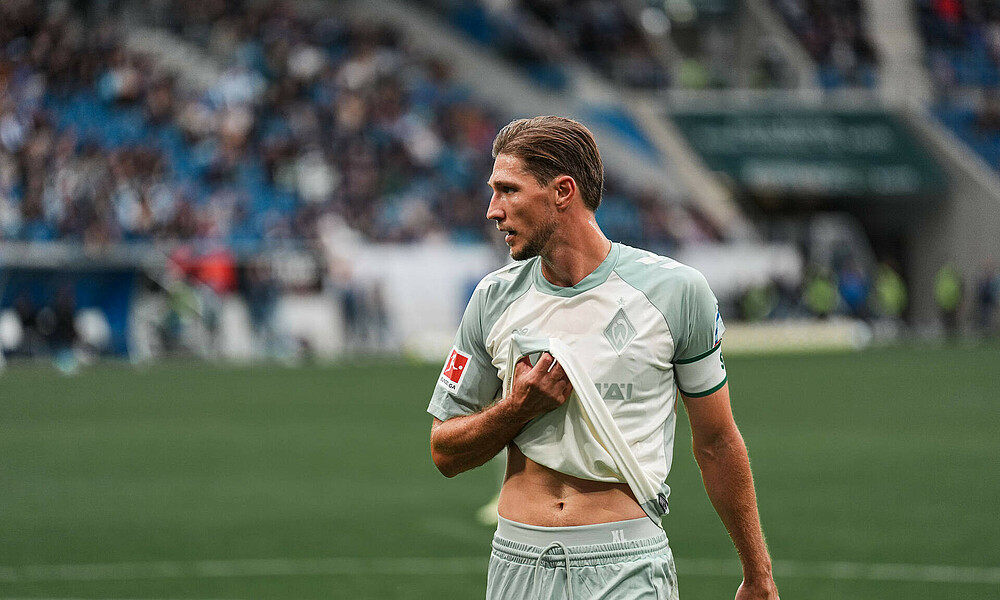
(572,258)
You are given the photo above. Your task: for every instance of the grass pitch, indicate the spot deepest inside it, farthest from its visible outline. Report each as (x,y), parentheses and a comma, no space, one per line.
(876,476)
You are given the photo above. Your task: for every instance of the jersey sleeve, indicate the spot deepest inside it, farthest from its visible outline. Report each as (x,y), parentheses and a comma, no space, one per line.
(698,361)
(468,382)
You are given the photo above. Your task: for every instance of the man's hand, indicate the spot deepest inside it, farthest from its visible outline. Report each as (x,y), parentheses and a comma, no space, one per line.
(539,389)
(764,590)
(463,443)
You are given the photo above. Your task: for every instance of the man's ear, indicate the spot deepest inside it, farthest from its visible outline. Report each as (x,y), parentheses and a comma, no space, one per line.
(566,191)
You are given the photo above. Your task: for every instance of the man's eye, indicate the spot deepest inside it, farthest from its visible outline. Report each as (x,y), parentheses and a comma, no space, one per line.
(507,189)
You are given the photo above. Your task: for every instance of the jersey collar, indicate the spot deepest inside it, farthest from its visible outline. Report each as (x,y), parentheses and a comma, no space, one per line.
(596,277)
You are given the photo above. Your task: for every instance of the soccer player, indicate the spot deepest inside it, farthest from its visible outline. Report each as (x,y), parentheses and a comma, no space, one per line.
(641,327)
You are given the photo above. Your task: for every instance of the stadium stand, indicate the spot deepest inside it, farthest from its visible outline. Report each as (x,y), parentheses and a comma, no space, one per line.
(638,45)
(833,32)
(544,38)
(308,117)
(962,41)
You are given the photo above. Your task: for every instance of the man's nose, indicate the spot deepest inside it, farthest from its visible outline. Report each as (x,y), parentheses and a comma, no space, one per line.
(494,211)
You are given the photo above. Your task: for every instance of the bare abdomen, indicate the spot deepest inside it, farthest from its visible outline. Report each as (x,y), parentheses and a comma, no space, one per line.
(537,495)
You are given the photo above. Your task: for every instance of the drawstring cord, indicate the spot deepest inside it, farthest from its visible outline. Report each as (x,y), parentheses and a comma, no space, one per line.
(538,565)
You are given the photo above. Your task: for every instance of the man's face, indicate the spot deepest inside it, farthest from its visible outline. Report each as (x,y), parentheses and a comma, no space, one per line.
(522,208)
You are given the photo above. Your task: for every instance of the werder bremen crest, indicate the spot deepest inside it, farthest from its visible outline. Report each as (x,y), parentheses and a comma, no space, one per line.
(619,331)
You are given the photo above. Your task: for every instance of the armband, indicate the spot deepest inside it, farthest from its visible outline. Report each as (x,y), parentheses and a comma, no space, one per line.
(701,375)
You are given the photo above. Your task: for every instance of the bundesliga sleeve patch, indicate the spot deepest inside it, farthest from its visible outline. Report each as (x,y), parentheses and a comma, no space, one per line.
(454,369)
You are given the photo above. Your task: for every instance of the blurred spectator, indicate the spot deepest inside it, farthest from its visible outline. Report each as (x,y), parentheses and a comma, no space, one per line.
(57,324)
(261,292)
(948,293)
(352,313)
(181,316)
(31,338)
(819,292)
(759,302)
(987,298)
(380,325)
(208,275)
(853,286)
(890,297)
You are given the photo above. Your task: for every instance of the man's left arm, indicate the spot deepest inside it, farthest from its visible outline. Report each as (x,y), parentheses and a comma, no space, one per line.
(725,469)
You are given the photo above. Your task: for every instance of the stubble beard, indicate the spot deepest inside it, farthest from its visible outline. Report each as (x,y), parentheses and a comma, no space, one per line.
(536,244)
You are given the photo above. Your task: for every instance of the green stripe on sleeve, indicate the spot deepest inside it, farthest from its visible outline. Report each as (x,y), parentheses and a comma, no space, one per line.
(706,393)
(687,361)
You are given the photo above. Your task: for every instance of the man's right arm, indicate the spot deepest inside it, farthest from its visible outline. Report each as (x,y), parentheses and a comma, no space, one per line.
(466,442)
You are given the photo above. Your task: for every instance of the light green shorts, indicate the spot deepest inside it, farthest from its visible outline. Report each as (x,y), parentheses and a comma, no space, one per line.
(625,559)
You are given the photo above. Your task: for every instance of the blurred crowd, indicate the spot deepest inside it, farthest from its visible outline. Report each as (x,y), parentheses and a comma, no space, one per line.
(878,295)
(45,330)
(56,184)
(833,33)
(543,36)
(309,115)
(639,45)
(605,36)
(962,40)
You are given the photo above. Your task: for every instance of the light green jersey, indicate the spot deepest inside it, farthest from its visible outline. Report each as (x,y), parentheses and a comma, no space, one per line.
(643,326)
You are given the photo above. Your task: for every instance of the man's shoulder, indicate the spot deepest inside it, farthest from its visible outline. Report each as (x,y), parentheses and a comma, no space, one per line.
(496,292)
(507,277)
(648,271)
(678,291)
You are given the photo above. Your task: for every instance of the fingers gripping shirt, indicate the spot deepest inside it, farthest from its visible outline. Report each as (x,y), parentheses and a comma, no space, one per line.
(641,325)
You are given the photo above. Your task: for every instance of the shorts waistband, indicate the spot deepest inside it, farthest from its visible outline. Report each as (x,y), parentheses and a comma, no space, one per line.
(578,535)
(585,545)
